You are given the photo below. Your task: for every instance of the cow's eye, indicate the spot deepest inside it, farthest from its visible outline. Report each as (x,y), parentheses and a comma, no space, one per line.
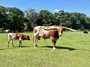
(62,31)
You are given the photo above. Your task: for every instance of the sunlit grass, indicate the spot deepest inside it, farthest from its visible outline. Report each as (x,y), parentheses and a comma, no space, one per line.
(73,50)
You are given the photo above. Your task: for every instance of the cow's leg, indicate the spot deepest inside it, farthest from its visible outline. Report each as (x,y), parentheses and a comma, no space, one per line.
(54,44)
(34,39)
(35,42)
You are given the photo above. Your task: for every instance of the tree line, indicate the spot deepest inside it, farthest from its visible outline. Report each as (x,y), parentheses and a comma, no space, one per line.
(17,20)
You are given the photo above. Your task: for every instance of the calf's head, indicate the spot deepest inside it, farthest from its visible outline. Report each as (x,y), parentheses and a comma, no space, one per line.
(27,38)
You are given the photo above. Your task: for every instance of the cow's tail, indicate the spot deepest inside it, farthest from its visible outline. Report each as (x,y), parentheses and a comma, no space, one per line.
(69,29)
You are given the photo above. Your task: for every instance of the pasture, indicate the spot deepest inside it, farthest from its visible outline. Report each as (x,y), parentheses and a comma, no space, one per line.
(73,50)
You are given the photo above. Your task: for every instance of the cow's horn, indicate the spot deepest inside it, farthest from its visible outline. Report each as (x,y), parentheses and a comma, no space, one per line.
(69,29)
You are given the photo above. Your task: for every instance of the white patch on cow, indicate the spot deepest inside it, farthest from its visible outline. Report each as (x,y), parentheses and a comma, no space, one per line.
(11,36)
(20,39)
(60,33)
(37,27)
(46,33)
(38,30)
(54,48)
(35,34)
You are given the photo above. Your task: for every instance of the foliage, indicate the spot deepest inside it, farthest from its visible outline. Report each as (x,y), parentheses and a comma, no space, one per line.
(31,17)
(3,17)
(17,20)
(46,17)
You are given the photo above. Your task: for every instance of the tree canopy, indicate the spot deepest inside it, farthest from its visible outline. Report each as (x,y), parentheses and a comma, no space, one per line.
(17,20)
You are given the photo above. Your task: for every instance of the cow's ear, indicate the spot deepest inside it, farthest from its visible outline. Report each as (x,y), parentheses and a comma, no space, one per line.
(27,35)
(64,29)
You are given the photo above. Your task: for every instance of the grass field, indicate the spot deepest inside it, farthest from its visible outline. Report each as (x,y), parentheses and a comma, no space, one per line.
(73,50)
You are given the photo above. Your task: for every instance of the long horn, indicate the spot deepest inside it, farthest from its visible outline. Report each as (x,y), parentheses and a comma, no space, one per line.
(69,29)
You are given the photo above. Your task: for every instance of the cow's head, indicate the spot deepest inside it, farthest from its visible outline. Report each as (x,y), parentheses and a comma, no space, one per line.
(60,31)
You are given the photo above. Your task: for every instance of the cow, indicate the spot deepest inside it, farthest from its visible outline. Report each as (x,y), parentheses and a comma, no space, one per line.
(52,32)
(17,36)
(85,31)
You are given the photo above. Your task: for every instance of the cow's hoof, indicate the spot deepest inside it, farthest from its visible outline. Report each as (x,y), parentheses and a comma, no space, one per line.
(36,46)
(54,48)
(20,46)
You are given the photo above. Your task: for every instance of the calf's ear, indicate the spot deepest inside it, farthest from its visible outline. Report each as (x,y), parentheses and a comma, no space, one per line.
(28,37)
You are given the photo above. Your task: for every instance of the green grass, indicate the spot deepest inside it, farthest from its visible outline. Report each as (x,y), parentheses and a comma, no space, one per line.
(73,50)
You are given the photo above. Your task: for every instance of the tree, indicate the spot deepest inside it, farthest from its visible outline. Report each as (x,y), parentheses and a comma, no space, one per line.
(31,17)
(15,19)
(3,17)
(46,18)
(74,20)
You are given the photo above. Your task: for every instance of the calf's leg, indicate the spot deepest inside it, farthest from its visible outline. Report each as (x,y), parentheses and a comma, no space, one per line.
(8,42)
(12,43)
(20,43)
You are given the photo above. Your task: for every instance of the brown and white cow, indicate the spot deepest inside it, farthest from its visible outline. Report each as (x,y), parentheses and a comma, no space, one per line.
(20,37)
(52,32)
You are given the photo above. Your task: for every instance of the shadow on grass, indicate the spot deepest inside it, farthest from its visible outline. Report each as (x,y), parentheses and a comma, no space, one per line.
(22,46)
(1,49)
(61,47)
(15,47)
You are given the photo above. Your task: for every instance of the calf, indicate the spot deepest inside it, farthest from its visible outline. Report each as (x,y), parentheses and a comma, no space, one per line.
(20,37)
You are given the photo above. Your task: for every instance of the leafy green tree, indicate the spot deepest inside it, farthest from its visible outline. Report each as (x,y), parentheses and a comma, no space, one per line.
(74,20)
(15,19)
(31,17)
(46,18)
(3,17)
(87,23)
